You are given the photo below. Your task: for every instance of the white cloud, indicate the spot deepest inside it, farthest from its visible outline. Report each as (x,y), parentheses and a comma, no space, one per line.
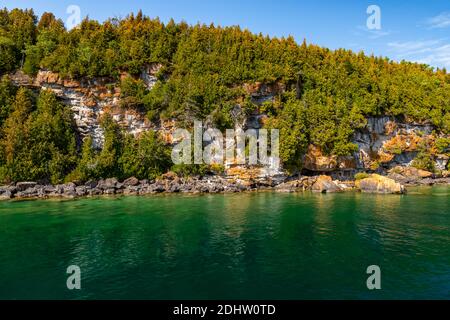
(438,57)
(440,21)
(433,52)
(372,34)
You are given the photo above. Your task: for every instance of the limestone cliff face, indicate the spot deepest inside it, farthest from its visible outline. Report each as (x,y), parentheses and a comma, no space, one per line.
(387,142)
(383,144)
(89,99)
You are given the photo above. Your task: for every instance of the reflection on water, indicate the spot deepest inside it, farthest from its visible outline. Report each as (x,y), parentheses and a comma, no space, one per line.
(252,246)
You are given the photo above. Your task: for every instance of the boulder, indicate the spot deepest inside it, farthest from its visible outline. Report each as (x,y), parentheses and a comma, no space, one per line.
(107,184)
(131,182)
(5,193)
(379,184)
(325,184)
(132,190)
(291,186)
(28,193)
(22,186)
(170,176)
(49,189)
(81,191)
(109,191)
(69,187)
(91,184)
(67,190)
(409,175)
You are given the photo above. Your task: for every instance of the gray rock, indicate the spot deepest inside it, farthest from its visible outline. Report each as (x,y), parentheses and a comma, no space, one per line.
(109,191)
(28,193)
(5,194)
(91,184)
(69,187)
(158,188)
(81,191)
(131,182)
(290,186)
(95,192)
(325,184)
(427,182)
(119,186)
(22,186)
(110,183)
(59,189)
(49,189)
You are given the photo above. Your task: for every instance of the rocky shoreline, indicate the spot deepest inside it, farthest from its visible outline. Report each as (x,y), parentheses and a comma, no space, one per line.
(170,184)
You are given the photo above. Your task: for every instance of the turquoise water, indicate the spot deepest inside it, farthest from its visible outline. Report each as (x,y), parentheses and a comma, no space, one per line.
(240,246)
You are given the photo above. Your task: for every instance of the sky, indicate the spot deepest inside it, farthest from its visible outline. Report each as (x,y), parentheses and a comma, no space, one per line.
(408,30)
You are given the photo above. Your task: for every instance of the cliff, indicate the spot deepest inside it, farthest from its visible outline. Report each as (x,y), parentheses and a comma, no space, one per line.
(384,143)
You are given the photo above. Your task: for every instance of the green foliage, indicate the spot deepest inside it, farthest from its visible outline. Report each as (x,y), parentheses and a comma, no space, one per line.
(327,94)
(184,170)
(424,159)
(107,165)
(17,31)
(7,95)
(133,93)
(292,123)
(122,156)
(146,157)
(39,144)
(87,164)
(361,176)
(443,145)
(48,38)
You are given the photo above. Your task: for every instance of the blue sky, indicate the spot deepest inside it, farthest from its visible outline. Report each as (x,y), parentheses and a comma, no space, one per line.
(411,30)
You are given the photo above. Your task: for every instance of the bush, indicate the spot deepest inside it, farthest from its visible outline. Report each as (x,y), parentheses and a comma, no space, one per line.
(424,161)
(145,157)
(186,170)
(361,176)
(443,145)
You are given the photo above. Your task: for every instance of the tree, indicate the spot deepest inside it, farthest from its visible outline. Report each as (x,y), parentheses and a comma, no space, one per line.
(145,157)
(7,94)
(14,135)
(107,160)
(38,144)
(292,123)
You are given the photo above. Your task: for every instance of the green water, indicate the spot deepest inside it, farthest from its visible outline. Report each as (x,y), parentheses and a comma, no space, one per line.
(242,246)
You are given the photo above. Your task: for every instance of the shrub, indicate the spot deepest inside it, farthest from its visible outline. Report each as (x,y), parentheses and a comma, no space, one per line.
(361,176)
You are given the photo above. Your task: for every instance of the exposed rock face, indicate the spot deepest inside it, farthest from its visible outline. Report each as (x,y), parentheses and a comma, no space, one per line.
(410,175)
(387,142)
(295,185)
(325,184)
(90,99)
(131,182)
(254,176)
(442,162)
(22,186)
(261,92)
(171,183)
(7,192)
(167,184)
(383,144)
(379,184)
(315,160)
(149,73)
